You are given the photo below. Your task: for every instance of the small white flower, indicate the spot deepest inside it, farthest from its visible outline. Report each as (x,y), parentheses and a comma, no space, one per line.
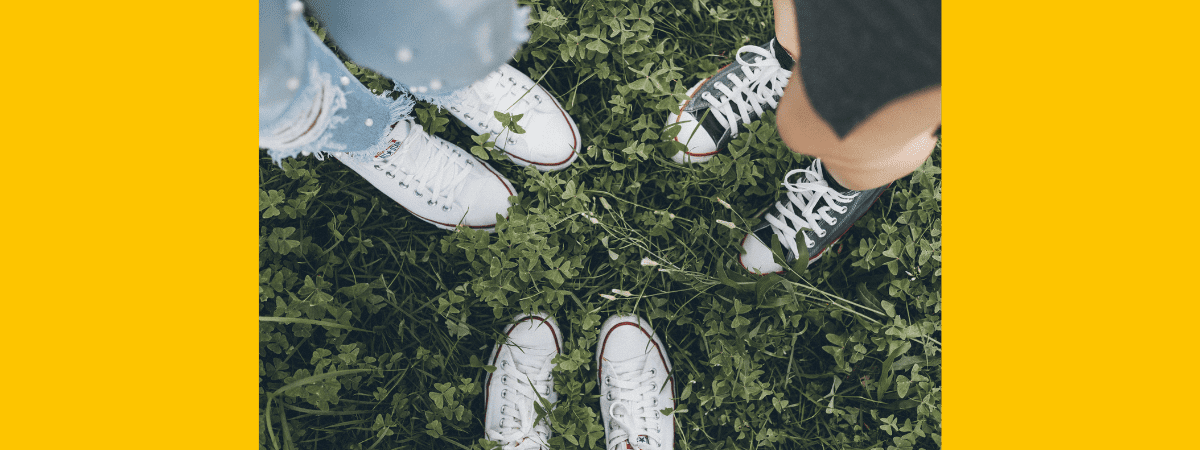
(605,203)
(608,297)
(727,223)
(624,293)
(648,262)
(722,202)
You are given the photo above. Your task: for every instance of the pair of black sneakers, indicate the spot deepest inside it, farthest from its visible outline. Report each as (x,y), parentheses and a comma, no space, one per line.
(816,210)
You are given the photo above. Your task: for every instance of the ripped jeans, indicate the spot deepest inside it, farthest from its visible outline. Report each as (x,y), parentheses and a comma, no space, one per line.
(310,103)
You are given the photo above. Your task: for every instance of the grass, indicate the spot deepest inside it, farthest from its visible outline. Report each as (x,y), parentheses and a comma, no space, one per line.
(375,324)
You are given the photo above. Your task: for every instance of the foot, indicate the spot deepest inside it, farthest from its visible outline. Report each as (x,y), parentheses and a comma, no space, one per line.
(635,386)
(435,180)
(551,139)
(521,379)
(719,106)
(823,213)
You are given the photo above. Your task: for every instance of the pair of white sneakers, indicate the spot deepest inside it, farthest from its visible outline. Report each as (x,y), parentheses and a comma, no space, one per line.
(443,184)
(633,371)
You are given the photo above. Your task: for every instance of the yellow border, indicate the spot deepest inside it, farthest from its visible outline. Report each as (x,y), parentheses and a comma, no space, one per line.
(1064,228)
(130,218)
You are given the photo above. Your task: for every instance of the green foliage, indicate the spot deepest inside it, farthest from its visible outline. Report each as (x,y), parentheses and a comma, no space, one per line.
(375,325)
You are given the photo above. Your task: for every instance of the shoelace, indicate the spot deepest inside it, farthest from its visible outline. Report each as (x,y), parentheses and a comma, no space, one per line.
(801,207)
(762,81)
(493,93)
(517,428)
(634,410)
(430,166)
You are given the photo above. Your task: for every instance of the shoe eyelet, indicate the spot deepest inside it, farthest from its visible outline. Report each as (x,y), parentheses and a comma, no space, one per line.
(833,220)
(419,194)
(502,408)
(608,381)
(390,175)
(445,208)
(504,394)
(501,422)
(504,379)
(653,386)
(377,167)
(653,372)
(431,202)
(610,397)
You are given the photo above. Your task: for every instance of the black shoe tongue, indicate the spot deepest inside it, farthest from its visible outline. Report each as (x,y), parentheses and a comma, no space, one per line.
(835,185)
(785,59)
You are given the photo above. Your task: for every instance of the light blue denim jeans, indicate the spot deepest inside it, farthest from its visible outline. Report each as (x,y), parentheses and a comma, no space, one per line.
(310,103)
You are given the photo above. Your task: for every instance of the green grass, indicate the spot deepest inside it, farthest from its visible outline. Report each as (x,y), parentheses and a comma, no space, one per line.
(375,323)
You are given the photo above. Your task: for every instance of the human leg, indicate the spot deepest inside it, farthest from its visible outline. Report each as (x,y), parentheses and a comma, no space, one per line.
(869,119)
(309,101)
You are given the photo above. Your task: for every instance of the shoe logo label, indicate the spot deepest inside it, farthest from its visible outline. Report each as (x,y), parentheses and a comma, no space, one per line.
(643,439)
(389,151)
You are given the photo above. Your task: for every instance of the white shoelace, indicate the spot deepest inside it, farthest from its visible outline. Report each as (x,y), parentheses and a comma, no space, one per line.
(634,410)
(430,166)
(518,427)
(801,207)
(760,83)
(498,93)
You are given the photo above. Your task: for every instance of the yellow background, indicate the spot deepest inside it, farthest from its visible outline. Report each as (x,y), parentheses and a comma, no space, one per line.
(130,216)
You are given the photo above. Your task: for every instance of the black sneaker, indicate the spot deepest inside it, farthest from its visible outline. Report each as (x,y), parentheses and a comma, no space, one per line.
(738,94)
(821,211)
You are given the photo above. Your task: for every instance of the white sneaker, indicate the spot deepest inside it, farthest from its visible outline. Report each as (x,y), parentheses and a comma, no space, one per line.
(738,94)
(551,139)
(435,180)
(522,376)
(635,386)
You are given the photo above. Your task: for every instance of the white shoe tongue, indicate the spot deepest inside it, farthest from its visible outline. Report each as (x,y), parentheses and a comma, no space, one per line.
(530,364)
(400,131)
(634,365)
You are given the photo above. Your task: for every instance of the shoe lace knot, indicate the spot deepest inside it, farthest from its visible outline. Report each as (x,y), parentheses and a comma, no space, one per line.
(634,412)
(523,383)
(761,83)
(430,166)
(810,201)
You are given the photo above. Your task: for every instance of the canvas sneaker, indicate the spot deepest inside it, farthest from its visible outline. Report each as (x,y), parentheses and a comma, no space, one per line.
(551,139)
(636,384)
(813,207)
(435,180)
(521,379)
(718,106)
